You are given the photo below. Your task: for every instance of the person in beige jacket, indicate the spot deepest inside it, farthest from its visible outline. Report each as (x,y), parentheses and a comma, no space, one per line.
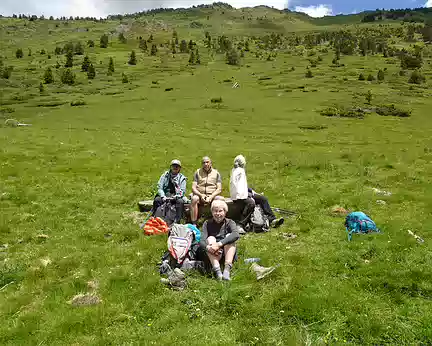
(206,187)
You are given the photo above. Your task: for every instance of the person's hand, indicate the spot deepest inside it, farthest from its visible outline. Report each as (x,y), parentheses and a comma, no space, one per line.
(210,199)
(164,199)
(204,199)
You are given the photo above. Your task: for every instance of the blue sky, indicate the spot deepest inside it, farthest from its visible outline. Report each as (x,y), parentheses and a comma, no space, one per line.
(101,8)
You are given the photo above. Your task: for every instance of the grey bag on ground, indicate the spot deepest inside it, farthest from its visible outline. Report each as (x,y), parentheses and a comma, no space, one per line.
(259,221)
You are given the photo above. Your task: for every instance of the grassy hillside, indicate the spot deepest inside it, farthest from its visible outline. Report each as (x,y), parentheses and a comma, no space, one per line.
(70,182)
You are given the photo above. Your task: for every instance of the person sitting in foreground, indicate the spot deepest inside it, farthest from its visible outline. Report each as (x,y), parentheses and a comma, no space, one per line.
(239,192)
(218,238)
(263,202)
(172,184)
(206,187)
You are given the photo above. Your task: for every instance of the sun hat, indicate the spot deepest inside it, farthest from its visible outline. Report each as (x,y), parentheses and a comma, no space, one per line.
(176,162)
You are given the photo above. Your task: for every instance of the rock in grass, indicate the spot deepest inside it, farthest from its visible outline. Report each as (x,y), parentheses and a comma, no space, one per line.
(85,300)
(45,261)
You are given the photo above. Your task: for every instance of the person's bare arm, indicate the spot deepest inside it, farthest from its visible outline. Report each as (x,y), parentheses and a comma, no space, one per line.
(217,192)
(195,190)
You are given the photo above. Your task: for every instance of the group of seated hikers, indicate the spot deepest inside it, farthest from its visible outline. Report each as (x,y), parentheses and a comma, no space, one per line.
(219,233)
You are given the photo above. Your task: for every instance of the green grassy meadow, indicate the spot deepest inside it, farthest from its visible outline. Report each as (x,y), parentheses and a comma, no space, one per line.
(70,183)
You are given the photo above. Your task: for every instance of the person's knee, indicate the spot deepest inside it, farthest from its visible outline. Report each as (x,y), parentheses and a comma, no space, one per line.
(219,198)
(195,200)
(211,240)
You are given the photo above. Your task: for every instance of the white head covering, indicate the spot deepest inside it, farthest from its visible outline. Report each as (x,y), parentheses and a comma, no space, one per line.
(239,161)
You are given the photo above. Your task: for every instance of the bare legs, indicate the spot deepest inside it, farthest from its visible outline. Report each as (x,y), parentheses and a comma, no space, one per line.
(229,250)
(195,205)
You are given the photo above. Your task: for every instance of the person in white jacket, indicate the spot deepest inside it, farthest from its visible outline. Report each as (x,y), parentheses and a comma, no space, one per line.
(239,192)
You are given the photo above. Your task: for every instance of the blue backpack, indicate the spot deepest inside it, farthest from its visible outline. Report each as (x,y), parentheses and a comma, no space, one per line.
(359,222)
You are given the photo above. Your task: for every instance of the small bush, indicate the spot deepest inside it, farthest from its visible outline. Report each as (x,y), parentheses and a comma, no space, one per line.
(380,75)
(368,97)
(85,64)
(42,51)
(78,103)
(308,74)
(91,73)
(232,58)
(343,112)
(122,38)
(48,77)
(370,78)
(411,62)
(58,51)
(68,77)
(154,50)
(361,77)
(19,53)
(41,87)
(104,41)
(216,100)
(132,58)
(392,110)
(90,43)
(6,72)
(111,68)
(416,78)
(125,78)
(69,59)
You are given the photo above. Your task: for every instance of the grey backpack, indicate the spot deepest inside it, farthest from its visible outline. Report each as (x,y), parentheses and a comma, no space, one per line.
(259,221)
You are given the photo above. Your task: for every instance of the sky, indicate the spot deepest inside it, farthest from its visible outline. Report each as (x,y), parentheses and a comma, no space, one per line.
(102,8)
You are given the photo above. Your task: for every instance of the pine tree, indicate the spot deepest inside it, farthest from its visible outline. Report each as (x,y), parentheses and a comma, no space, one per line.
(232,57)
(197,58)
(143,45)
(58,51)
(192,57)
(361,77)
(150,39)
(380,75)
(132,58)
(48,77)
(125,78)
(111,67)
(154,50)
(79,49)
(91,73)
(19,53)
(68,77)
(308,73)
(90,43)
(85,64)
(41,87)
(122,38)
(104,41)
(190,45)
(370,78)
(183,47)
(29,52)
(69,59)
(368,97)
(416,77)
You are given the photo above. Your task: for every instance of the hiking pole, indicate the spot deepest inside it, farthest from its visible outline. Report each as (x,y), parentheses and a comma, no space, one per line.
(284,211)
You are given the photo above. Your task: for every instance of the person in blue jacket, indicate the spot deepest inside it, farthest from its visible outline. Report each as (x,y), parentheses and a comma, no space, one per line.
(172,185)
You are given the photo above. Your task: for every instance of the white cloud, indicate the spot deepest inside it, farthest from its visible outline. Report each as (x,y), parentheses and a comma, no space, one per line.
(101,8)
(429,3)
(316,11)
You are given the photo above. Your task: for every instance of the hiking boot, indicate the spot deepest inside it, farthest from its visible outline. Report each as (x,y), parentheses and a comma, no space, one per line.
(260,271)
(277,222)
